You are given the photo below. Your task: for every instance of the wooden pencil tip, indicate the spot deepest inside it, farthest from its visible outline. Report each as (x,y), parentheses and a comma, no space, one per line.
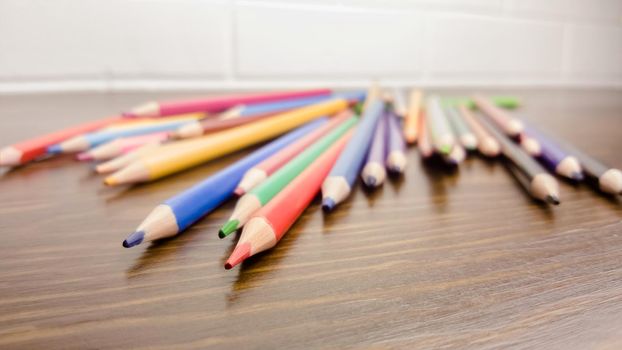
(552,199)
(328,204)
(134,239)
(110,181)
(239,191)
(228,228)
(84,157)
(240,253)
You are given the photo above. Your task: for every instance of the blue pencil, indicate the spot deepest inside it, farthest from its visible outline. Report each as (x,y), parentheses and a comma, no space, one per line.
(179,212)
(86,141)
(338,185)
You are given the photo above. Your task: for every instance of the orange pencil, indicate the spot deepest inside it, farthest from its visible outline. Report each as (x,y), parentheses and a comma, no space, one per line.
(411,122)
(270,223)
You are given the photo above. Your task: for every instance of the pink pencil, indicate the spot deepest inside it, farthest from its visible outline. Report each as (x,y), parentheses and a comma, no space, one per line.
(257,174)
(121,146)
(216,104)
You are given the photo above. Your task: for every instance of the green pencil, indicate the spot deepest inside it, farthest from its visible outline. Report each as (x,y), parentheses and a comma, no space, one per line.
(259,196)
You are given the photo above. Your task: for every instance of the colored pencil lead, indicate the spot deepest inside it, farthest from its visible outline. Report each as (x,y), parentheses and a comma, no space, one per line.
(134,239)
(228,228)
(328,204)
(240,253)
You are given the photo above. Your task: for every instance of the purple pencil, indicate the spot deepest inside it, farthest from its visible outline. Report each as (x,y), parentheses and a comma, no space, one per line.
(396,147)
(373,173)
(551,155)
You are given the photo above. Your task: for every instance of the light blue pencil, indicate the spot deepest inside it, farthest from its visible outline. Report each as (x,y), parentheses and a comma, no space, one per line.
(338,185)
(86,141)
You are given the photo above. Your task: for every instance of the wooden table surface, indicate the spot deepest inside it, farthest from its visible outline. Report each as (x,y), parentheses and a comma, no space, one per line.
(438,259)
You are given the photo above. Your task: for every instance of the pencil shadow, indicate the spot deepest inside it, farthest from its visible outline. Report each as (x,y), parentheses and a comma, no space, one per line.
(372,194)
(435,169)
(545,208)
(258,268)
(156,254)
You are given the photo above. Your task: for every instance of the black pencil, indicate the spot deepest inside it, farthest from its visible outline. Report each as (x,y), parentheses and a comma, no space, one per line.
(538,182)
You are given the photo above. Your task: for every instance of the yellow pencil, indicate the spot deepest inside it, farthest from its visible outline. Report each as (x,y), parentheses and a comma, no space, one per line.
(175,157)
(411,122)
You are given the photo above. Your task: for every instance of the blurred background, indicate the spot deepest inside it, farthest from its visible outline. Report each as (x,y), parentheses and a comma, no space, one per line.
(118,45)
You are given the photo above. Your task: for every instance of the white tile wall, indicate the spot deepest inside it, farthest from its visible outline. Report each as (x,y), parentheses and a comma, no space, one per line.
(124,44)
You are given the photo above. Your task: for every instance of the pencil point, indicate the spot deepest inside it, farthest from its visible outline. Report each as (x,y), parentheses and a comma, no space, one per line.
(446,149)
(240,253)
(239,191)
(228,228)
(370,181)
(328,204)
(134,239)
(55,149)
(110,181)
(83,157)
(576,176)
(552,199)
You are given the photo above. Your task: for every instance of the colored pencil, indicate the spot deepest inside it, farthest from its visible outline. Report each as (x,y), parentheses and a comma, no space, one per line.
(441,135)
(338,184)
(271,222)
(254,112)
(264,192)
(216,104)
(510,125)
(461,129)
(126,159)
(399,102)
(396,147)
(423,145)
(541,185)
(182,210)
(486,144)
(411,122)
(121,146)
(89,140)
(267,167)
(374,173)
(25,151)
(552,155)
(607,179)
(184,154)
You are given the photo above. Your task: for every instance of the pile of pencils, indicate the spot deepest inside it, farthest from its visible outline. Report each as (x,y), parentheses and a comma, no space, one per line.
(313,141)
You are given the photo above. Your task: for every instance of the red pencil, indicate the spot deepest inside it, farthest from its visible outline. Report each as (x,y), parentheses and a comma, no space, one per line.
(25,151)
(217,104)
(257,174)
(269,224)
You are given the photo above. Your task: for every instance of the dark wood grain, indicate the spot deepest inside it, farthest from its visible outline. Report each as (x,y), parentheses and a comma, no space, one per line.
(437,260)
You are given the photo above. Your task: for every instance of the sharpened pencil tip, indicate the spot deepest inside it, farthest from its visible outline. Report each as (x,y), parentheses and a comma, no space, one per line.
(134,239)
(552,199)
(110,181)
(239,191)
(576,176)
(84,157)
(370,181)
(228,228)
(55,149)
(328,204)
(446,149)
(240,253)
